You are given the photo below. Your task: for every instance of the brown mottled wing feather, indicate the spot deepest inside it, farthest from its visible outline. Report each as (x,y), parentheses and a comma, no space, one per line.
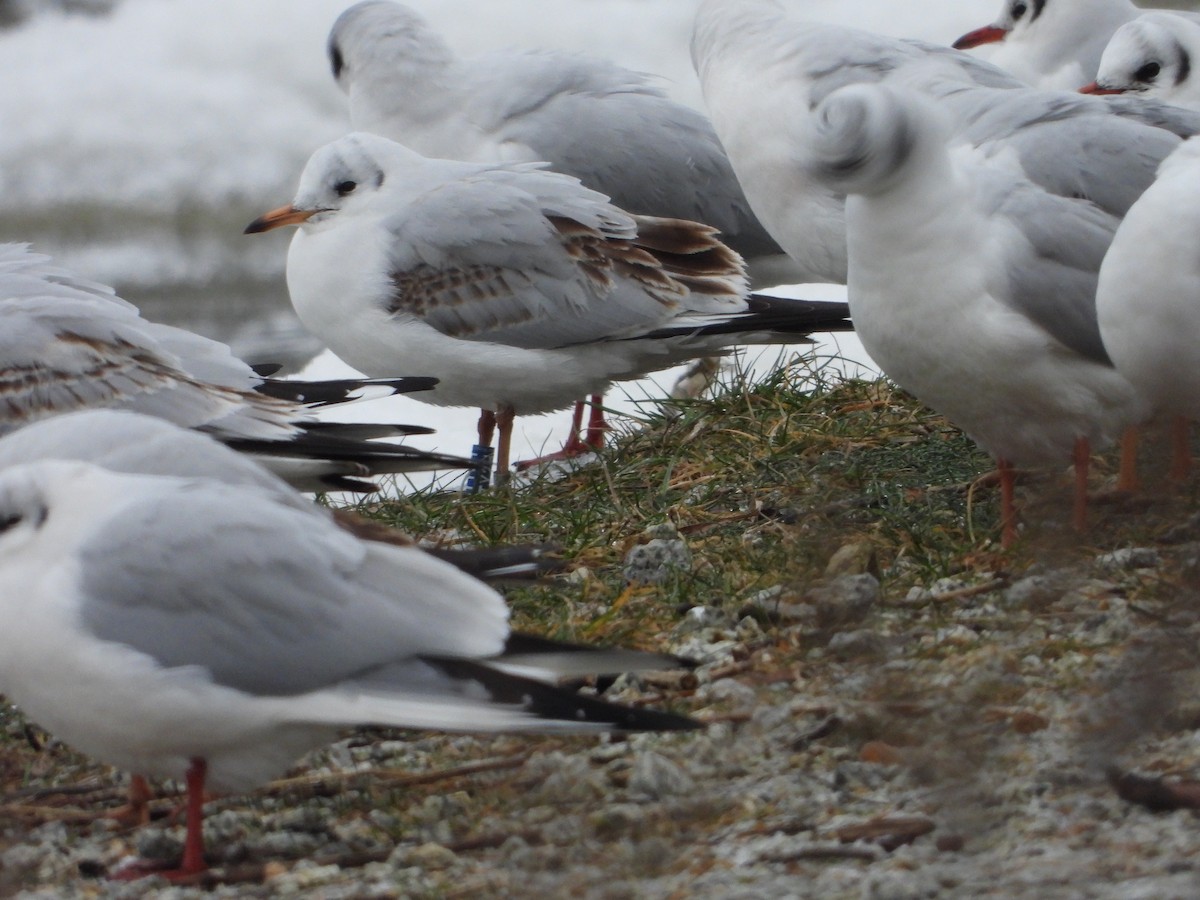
(530,258)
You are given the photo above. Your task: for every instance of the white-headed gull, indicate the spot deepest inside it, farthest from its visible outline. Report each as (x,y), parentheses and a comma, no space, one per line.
(611,128)
(1148,297)
(1053,43)
(755,59)
(137,444)
(1152,56)
(68,343)
(517,287)
(185,627)
(971,287)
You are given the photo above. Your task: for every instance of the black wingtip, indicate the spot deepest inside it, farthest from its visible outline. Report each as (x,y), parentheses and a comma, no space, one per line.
(341,390)
(557,704)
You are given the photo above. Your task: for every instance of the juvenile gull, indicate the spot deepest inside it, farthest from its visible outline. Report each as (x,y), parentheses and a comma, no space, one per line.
(519,289)
(972,287)
(188,628)
(612,128)
(68,343)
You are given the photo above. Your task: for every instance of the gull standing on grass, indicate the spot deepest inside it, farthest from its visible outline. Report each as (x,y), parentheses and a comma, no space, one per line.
(610,127)
(1148,297)
(517,287)
(68,344)
(1153,57)
(1054,44)
(972,288)
(182,627)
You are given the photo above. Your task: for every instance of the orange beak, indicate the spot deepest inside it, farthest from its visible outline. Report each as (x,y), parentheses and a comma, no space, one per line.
(988,34)
(1095,88)
(285,215)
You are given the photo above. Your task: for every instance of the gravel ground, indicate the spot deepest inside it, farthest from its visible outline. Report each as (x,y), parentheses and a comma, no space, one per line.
(953,739)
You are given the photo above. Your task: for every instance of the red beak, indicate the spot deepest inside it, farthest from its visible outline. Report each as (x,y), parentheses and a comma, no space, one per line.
(988,34)
(1094,88)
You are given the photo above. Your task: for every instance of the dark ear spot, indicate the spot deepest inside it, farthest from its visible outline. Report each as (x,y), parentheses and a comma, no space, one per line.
(336,62)
(1185,65)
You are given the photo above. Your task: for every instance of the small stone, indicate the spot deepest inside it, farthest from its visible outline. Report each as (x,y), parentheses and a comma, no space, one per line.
(1128,558)
(857,558)
(658,560)
(950,843)
(657,777)
(857,644)
(845,600)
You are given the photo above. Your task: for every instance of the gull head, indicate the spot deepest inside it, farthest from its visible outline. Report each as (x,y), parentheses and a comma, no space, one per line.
(1147,55)
(1015,20)
(376,39)
(865,136)
(345,175)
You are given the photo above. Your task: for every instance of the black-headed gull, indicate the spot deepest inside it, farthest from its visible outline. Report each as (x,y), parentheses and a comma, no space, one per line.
(1148,297)
(1053,43)
(754,59)
(972,287)
(610,127)
(517,287)
(68,343)
(188,628)
(1152,56)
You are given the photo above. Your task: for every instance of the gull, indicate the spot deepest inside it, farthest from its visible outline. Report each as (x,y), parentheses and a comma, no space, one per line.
(754,59)
(519,289)
(612,128)
(182,627)
(137,444)
(1152,56)
(1148,295)
(973,288)
(1054,43)
(68,343)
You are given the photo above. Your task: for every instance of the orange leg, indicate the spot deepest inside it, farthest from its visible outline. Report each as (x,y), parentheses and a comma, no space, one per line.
(575,444)
(1008,510)
(1082,457)
(1181,450)
(1127,478)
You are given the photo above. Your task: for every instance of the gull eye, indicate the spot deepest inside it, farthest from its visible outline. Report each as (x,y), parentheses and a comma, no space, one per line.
(1148,72)
(1019,10)
(9,521)
(345,187)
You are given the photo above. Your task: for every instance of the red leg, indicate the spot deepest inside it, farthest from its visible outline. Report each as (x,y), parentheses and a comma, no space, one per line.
(597,427)
(504,425)
(193,843)
(1127,479)
(1008,511)
(1181,451)
(1083,457)
(486,427)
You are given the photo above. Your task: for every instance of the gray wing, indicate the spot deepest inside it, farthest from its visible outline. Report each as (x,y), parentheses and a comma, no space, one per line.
(520,256)
(1053,267)
(618,134)
(122,441)
(269,599)
(1071,145)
